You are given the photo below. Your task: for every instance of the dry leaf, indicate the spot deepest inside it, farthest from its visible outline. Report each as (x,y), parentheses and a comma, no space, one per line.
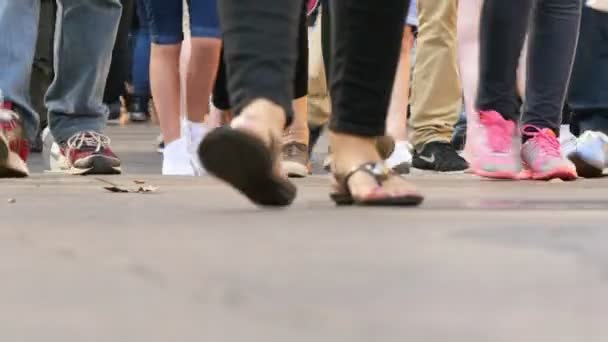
(12,200)
(139,182)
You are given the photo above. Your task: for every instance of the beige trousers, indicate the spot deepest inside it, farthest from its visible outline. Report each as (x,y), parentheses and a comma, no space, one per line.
(436,91)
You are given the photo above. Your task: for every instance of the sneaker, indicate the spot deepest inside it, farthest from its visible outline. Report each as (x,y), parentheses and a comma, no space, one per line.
(89,153)
(496,152)
(137,107)
(177,160)
(542,156)
(439,156)
(401,158)
(114,115)
(459,137)
(589,154)
(14,147)
(295,159)
(196,134)
(160,144)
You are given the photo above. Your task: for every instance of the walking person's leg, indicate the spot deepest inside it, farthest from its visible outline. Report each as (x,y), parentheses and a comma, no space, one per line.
(138,104)
(396,121)
(85,35)
(119,68)
(436,92)
(362,74)
(554,28)
(18,121)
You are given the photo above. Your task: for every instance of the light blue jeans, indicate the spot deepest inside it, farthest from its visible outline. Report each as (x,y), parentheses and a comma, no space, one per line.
(84,37)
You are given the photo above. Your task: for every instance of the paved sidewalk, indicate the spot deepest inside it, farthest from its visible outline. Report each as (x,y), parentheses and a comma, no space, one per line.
(480,261)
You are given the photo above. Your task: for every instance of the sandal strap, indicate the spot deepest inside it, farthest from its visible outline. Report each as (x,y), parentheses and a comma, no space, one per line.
(378,170)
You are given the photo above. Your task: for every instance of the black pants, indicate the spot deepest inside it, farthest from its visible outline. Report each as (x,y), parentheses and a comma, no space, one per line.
(261,54)
(121,55)
(552,41)
(588,95)
(221,97)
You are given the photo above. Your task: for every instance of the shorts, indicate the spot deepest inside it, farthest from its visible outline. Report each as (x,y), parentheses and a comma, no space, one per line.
(165,19)
(412,15)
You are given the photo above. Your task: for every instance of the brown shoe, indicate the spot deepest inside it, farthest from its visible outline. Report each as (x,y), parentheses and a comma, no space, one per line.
(14,147)
(295,160)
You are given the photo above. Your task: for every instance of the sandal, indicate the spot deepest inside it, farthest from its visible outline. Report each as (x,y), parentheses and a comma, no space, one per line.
(248,164)
(381,173)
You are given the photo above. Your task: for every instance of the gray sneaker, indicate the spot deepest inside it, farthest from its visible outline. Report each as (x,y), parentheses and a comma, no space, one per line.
(295,160)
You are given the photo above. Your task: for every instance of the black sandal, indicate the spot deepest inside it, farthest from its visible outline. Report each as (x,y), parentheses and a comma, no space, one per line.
(381,173)
(248,164)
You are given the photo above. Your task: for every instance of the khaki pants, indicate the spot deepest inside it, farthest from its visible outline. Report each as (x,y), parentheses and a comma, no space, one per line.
(319,104)
(436,92)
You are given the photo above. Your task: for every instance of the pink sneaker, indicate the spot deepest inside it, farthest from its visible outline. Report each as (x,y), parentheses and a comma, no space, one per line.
(542,155)
(496,148)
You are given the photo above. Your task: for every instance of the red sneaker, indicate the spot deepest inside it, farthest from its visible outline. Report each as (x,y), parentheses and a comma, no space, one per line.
(89,153)
(14,147)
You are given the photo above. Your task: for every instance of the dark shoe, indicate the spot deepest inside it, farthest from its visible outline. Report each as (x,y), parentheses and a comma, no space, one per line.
(14,147)
(114,116)
(295,160)
(89,153)
(138,108)
(439,156)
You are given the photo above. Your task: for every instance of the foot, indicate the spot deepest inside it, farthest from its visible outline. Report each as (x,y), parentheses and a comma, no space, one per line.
(14,147)
(115,111)
(89,153)
(349,153)
(589,153)
(138,108)
(496,148)
(294,159)
(542,156)
(401,158)
(439,156)
(247,154)
(177,159)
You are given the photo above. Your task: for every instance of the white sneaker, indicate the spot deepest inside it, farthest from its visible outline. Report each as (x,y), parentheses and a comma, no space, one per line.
(54,160)
(196,134)
(589,154)
(177,160)
(401,158)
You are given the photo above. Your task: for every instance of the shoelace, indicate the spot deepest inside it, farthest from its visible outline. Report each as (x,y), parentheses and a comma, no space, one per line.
(89,139)
(292,150)
(544,138)
(499,137)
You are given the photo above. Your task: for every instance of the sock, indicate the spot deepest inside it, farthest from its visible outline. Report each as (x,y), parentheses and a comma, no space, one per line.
(197,131)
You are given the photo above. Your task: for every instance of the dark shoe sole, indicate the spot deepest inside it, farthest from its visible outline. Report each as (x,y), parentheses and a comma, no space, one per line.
(97,165)
(247,164)
(583,168)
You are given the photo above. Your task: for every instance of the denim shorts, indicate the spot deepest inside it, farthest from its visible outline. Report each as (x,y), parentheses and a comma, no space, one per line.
(165,19)
(412,15)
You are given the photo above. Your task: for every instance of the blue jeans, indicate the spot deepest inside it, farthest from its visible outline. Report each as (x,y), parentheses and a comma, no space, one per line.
(84,39)
(140,71)
(165,20)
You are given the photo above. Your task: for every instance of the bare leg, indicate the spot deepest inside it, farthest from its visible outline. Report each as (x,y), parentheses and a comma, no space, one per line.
(200,76)
(165,83)
(396,121)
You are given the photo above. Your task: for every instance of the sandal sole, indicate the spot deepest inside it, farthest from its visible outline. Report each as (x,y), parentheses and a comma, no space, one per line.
(245,162)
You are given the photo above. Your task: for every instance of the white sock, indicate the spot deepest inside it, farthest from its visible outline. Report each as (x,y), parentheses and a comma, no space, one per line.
(197,131)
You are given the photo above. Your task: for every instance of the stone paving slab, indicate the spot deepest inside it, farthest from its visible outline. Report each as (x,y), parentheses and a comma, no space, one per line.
(479,261)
